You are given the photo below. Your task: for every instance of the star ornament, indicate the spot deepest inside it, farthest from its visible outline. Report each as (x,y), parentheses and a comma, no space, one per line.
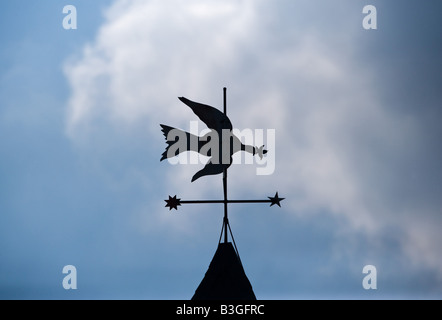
(275,200)
(173,203)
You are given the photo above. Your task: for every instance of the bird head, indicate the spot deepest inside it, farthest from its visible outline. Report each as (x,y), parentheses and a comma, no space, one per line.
(261,151)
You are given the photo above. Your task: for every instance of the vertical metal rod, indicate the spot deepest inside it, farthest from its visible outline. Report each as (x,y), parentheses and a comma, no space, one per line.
(225,100)
(225,220)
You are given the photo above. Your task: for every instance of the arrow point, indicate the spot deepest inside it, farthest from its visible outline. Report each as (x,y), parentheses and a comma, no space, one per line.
(173,203)
(275,200)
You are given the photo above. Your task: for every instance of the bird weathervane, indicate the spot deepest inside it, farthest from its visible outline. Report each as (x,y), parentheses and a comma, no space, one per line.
(219,144)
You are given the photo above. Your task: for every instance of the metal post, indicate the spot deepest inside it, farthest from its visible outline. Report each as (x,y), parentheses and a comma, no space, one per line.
(225,221)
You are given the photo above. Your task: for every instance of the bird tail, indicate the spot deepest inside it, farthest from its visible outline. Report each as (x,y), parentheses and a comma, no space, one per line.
(180,140)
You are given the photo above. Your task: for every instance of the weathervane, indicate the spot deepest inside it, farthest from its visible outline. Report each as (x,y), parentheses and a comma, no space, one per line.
(219,144)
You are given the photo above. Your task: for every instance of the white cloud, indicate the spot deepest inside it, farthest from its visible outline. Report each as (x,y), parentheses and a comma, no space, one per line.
(332,132)
(146,54)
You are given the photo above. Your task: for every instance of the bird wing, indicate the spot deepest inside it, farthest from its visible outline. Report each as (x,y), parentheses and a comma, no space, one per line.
(212,117)
(209,169)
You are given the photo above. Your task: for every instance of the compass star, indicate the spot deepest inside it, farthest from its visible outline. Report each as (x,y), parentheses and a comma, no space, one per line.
(173,203)
(275,200)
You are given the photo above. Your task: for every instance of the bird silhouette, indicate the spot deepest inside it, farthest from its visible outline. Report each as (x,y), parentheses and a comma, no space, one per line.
(211,144)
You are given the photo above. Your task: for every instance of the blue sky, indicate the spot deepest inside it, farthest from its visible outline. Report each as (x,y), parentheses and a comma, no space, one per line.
(356,114)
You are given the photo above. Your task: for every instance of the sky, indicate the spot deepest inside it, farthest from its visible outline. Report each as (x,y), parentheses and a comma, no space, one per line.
(357,147)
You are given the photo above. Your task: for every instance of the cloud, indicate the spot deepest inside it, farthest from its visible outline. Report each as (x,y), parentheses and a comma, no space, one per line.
(340,147)
(149,52)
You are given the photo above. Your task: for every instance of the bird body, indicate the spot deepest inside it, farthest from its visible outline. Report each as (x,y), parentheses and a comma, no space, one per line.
(219,144)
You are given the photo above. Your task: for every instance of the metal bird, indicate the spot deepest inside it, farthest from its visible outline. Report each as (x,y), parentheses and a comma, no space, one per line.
(220,125)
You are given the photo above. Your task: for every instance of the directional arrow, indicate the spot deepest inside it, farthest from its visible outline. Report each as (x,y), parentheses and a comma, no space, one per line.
(174,202)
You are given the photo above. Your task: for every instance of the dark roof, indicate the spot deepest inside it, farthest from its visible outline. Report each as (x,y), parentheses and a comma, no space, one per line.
(225,279)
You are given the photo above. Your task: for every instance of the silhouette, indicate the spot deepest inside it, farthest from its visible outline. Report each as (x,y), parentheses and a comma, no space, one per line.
(221,129)
(225,279)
